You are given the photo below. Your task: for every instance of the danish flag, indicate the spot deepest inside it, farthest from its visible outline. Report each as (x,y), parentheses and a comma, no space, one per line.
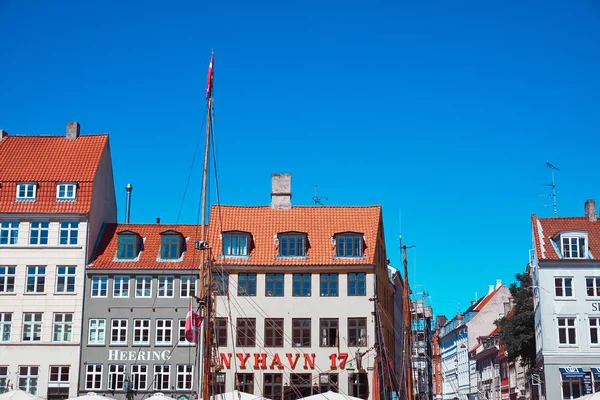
(192,325)
(209,79)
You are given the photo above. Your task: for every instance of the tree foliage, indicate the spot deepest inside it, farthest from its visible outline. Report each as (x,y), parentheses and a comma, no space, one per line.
(518,329)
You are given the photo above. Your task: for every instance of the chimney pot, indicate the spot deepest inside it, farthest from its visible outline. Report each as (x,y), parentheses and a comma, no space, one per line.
(158,220)
(590,210)
(3,134)
(281,191)
(498,283)
(72,130)
(490,288)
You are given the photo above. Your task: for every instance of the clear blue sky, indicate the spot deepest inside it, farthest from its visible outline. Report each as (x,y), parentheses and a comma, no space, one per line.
(447,111)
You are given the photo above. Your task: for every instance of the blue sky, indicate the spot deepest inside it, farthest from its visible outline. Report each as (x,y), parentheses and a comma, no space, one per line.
(446,111)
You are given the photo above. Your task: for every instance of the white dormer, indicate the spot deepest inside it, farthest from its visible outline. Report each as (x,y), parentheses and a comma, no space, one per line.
(26,191)
(573,244)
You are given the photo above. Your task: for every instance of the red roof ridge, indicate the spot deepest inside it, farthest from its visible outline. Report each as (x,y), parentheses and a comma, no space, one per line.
(486,299)
(299,206)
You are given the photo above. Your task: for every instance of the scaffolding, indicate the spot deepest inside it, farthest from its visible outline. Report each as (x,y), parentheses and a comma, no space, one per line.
(421,317)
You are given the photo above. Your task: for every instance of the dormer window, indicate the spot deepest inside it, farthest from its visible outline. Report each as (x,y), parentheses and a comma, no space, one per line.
(66,191)
(292,245)
(235,244)
(349,245)
(26,191)
(129,246)
(171,245)
(574,245)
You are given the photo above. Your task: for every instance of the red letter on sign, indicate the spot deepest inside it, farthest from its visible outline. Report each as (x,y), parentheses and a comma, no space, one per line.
(289,357)
(243,358)
(309,361)
(226,360)
(333,357)
(260,358)
(276,361)
(343,357)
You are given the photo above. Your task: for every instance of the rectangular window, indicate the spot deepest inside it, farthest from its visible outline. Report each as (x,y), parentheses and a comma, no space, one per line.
(116,376)
(9,232)
(164,331)
(574,247)
(219,383)
(32,327)
(170,248)
(274,332)
(62,329)
(220,283)
(292,246)
(273,386)
(184,376)
(143,286)
(301,285)
(5,327)
(563,287)
(246,332)
(329,332)
(99,286)
(357,332)
(349,246)
(97,331)
(300,385)
(301,332)
(221,330)
(121,286)
(26,191)
(59,376)
(592,286)
(93,377)
(247,284)
(328,382)
(66,191)
(139,377)
(187,286)
(274,285)
(165,286)
(36,279)
(3,379)
(118,331)
(594,330)
(567,331)
(357,283)
(38,234)
(162,375)
(141,331)
(127,247)
(69,232)
(235,244)
(28,379)
(182,340)
(7,279)
(65,279)
(329,285)
(244,383)
(358,385)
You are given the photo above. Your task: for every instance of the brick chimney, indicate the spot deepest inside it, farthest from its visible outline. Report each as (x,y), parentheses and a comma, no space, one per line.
(590,210)
(3,134)
(281,191)
(72,130)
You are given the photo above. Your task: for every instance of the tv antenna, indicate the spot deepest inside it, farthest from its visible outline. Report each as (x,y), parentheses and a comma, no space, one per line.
(318,199)
(553,187)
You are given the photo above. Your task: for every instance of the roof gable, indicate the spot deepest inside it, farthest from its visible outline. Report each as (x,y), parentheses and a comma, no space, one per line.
(546,228)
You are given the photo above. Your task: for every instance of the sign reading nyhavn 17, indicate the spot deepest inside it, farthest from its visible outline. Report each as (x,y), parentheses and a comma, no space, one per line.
(263,361)
(142,355)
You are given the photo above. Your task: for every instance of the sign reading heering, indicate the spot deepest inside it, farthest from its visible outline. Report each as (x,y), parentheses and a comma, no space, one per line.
(143,355)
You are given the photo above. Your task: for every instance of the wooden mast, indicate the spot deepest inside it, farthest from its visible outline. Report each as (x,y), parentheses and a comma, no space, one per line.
(407,332)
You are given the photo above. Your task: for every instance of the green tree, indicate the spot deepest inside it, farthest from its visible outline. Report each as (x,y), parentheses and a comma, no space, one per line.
(517,330)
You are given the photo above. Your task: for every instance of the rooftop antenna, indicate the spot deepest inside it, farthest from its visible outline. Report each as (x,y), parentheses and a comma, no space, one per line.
(553,186)
(318,199)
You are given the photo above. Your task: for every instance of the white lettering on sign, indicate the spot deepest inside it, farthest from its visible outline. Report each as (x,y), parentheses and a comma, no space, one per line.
(143,355)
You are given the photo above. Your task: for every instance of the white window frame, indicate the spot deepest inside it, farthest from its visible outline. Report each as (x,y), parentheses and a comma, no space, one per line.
(5,321)
(566,327)
(595,286)
(596,327)
(168,283)
(181,331)
(116,376)
(29,378)
(39,228)
(95,371)
(137,372)
(568,237)
(94,332)
(102,281)
(141,326)
(39,274)
(121,286)
(563,287)
(118,328)
(3,378)
(27,187)
(60,372)
(187,286)
(65,189)
(9,232)
(187,372)
(62,324)
(146,283)
(163,325)
(162,377)
(69,275)
(32,324)
(8,275)
(72,233)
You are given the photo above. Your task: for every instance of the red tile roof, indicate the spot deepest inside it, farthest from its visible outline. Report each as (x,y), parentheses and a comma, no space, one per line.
(105,254)
(545,228)
(48,160)
(320,223)
(479,306)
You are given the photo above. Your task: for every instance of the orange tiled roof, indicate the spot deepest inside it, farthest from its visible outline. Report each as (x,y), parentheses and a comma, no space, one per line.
(105,254)
(320,223)
(48,160)
(545,228)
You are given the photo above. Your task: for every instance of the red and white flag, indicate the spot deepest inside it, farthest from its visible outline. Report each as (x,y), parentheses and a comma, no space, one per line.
(209,80)
(192,325)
